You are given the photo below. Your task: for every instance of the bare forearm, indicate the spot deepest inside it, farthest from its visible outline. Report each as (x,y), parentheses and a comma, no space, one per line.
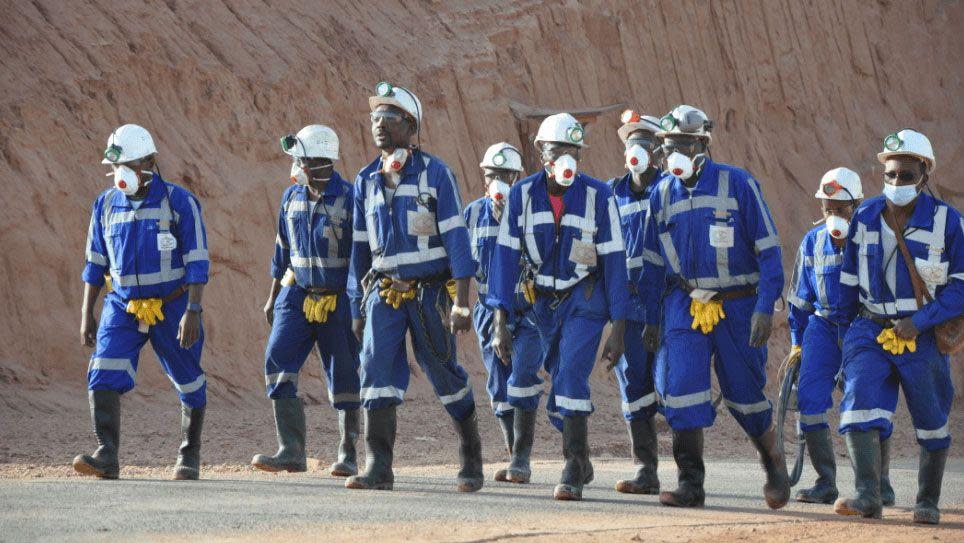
(195,291)
(462,292)
(275,289)
(91,293)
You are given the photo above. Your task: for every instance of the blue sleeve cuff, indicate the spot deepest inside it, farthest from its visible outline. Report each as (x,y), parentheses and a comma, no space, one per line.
(921,322)
(462,269)
(764,306)
(277,272)
(196,273)
(94,274)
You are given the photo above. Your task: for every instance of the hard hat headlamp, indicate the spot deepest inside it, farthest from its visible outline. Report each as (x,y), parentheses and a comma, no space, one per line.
(668,122)
(893,142)
(384,89)
(288,142)
(499,159)
(832,188)
(629,116)
(113,153)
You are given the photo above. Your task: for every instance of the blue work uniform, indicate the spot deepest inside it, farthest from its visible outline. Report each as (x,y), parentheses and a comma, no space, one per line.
(814,295)
(875,284)
(314,241)
(483,233)
(150,251)
(717,236)
(634,372)
(579,269)
(416,234)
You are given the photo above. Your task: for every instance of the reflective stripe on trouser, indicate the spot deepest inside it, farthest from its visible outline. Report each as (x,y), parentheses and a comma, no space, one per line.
(818,370)
(683,367)
(634,372)
(384,364)
(570,337)
(114,362)
(291,340)
(872,377)
(499,373)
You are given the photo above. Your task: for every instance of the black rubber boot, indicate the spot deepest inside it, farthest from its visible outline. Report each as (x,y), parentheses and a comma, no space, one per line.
(289,418)
(105,416)
(642,436)
(864,449)
(575,448)
(188,466)
(380,441)
(347,464)
(887,496)
(820,449)
(930,473)
(507,422)
(688,453)
(524,431)
(776,490)
(470,477)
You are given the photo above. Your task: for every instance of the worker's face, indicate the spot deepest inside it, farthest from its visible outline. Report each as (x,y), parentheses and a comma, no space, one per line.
(904,170)
(839,208)
(551,150)
(646,140)
(690,146)
(497,174)
(320,169)
(392,128)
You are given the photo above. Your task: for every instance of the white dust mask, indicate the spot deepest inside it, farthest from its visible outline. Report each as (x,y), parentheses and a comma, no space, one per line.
(901,195)
(680,165)
(637,159)
(498,190)
(126,180)
(564,170)
(837,227)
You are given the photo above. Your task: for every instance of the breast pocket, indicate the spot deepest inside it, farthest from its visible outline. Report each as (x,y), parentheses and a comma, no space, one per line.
(421,223)
(933,273)
(868,269)
(583,252)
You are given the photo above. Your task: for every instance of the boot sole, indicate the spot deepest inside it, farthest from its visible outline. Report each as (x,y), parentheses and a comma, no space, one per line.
(501,476)
(84,468)
(841,508)
(276,469)
(565,493)
(186,474)
(671,500)
(469,486)
(339,471)
(357,485)
(631,487)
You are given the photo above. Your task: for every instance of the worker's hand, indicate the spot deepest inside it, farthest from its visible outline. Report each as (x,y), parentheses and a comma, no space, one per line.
(459,324)
(502,343)
(358,328)
(761,324)
(651,337)
(269,310)
(615,345)
(189,329)
(905,329)
(88,329)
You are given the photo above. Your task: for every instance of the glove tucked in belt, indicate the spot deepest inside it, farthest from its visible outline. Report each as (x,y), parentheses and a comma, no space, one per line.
(452,288)
(706,309)
(396,291)
(146,310)
(317,307)
(529,291)
(895,345)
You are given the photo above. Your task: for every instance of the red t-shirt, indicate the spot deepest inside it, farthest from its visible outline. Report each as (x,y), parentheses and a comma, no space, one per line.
(557,207)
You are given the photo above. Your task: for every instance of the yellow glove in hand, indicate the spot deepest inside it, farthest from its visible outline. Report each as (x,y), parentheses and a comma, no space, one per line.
(146,310)
(895,345)
(452,288)
(529,291)
(706,316)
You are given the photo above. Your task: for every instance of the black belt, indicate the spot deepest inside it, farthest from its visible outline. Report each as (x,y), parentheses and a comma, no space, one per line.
(559,296)
(721,296)
(880,320)
(318,291)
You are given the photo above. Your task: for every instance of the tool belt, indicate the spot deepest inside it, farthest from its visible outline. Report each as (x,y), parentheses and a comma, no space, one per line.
(721,296)
(879,320)
(396,291)
(319,303)
(556,297)
(148,312)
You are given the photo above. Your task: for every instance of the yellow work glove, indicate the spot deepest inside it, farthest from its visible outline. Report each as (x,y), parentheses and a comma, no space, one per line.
(318,310)
(108,284)
(452,288)
(895,345)
(529,291)
(394,297)
(146,310)
(706,316)
(796,353)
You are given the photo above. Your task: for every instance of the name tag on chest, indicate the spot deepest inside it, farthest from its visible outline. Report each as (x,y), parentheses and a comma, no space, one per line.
(166,241)
(721,236)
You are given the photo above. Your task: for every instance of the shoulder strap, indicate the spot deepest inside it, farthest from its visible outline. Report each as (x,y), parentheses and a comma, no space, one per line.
(920,290)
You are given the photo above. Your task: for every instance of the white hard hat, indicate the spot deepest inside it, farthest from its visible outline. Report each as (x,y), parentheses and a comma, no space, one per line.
(685,120)
(312,141)
(127,143)
(560,128)
(633,122)
(400,97)
(502,156)
(840,184)
(908,142)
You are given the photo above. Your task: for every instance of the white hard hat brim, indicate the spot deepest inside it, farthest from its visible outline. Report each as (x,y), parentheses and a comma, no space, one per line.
(664,133)
(375,101)
(537,143)
(124,159)
(882,157)
(627,129)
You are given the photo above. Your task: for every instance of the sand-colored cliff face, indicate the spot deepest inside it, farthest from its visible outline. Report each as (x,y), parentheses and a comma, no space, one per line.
(796,88)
